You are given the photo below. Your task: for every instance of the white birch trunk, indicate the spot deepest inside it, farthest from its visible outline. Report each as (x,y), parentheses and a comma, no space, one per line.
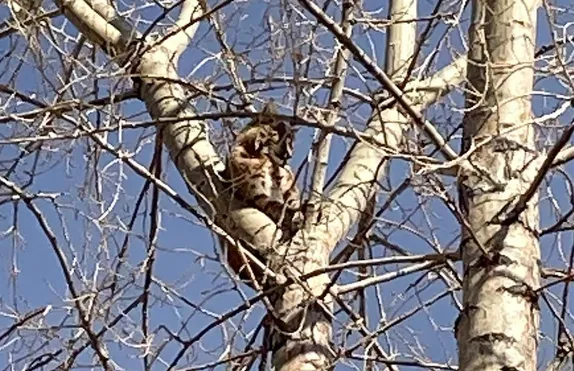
(498,328)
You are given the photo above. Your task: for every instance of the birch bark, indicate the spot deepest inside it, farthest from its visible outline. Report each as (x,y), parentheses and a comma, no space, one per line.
(498,328)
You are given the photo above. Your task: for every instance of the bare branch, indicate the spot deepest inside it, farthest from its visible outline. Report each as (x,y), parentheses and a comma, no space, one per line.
(184,28)
(93,25)
(323,141)
(382,77)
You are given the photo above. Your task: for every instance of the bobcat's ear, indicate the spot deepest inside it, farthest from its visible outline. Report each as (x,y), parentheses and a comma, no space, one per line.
(267,115)
(270,108)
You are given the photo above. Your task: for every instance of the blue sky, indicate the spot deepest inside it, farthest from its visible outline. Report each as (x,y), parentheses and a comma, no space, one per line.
(186,256)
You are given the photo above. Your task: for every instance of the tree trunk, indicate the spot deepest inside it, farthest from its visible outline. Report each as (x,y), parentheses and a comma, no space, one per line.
(498,327)
(306,307)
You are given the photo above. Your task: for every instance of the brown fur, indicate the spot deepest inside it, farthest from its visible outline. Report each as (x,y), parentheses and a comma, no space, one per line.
(258,168)
(260,175)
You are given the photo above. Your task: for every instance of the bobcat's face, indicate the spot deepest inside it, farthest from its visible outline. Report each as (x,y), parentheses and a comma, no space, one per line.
(268,137)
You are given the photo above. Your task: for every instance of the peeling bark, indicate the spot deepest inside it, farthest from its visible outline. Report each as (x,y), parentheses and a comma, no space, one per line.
(498,328)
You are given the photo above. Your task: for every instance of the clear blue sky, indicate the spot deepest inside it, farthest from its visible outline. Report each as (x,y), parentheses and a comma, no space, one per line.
(186,249)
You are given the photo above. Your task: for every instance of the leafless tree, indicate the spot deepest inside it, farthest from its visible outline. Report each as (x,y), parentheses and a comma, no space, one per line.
(433,153)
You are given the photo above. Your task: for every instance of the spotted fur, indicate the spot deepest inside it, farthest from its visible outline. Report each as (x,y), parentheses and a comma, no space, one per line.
(258,167)
(259,174)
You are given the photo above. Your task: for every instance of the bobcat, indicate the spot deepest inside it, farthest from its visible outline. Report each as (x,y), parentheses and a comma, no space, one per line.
(258,168)
(259,174)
